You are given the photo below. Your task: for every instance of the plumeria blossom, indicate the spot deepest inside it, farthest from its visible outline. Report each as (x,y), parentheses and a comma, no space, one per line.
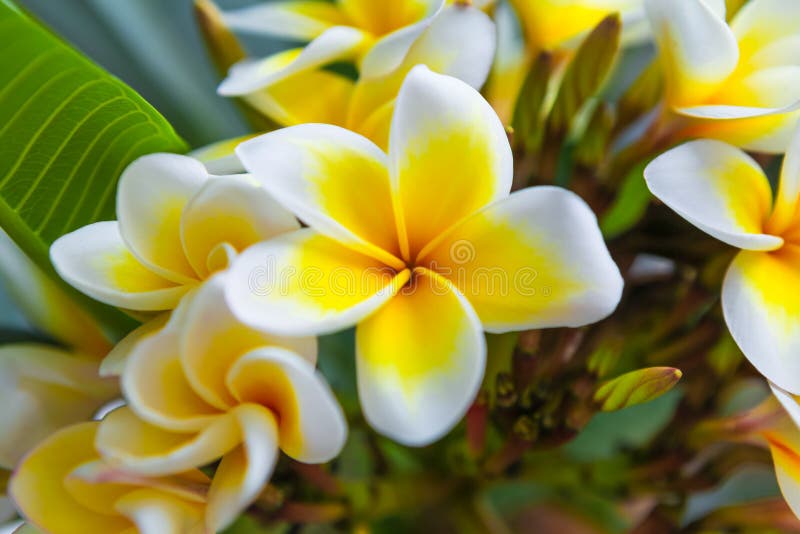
(422,248)
(49,386)
(376,34)
(722,191)
(783,438)
(177,226)
(731,81)
(211,388)
(528,27)
(63,486)
(299,92)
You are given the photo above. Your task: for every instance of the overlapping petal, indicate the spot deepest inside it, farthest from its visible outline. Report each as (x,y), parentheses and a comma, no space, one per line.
(96,260)
(38,485)
(63,486)
(448,156)
(533,260)
(243,472)
(292,19)
(420,361)
(157,389)
(719,189)
(233,210)
(127,440)
(212,339)
(334,180)
(335,44)
(762,309)
(310,96)
(697,49)
(304,283)
(311,425)
(48,389)
(151,196)
(442,48)
(785,210)
(784,444)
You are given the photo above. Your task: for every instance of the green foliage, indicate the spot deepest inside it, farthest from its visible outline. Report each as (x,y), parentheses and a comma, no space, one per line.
(529,109)
(67,131)
(587,72)
(636,387)
(629,205)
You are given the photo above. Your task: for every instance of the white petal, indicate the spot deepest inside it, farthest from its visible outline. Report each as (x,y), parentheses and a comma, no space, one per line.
(416,382)
(231,210)
(719,189)
(444,50)
(536,259)
(151,196)
(306,284)
(334,180)
(243,472)
(789,187)
(114,362)
(388,53)
(311,425)
(48,389)
(95,260)
(248,76)
(448,156)
(212,339)
(762,310)
(697,48)
(157,389)
(788,401)
(292,19)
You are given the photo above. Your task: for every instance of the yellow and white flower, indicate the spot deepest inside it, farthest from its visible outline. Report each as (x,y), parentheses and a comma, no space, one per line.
(722,191)
(292,88)
(211,388)
(376,34)
(177,226)
(49,387)
(784,443)
(64,487)
(734,81)
(422,248)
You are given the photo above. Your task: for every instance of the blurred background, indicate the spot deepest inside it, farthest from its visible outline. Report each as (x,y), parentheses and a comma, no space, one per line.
(155,47)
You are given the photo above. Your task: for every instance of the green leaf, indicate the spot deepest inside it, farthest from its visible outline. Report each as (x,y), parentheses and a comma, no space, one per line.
(67,131)
(636,387)
(629,206)
(586,73)
(528,120)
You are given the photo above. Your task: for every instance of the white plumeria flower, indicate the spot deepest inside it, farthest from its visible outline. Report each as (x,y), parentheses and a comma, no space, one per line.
(734,82)
(213,388)
(45,388)
(459,41)
(722,191)
(408,245)
(63,486)
(177,226)
(784,443)
(376,34)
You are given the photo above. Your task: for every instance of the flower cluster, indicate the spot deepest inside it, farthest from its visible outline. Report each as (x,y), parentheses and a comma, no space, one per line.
(395,201)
